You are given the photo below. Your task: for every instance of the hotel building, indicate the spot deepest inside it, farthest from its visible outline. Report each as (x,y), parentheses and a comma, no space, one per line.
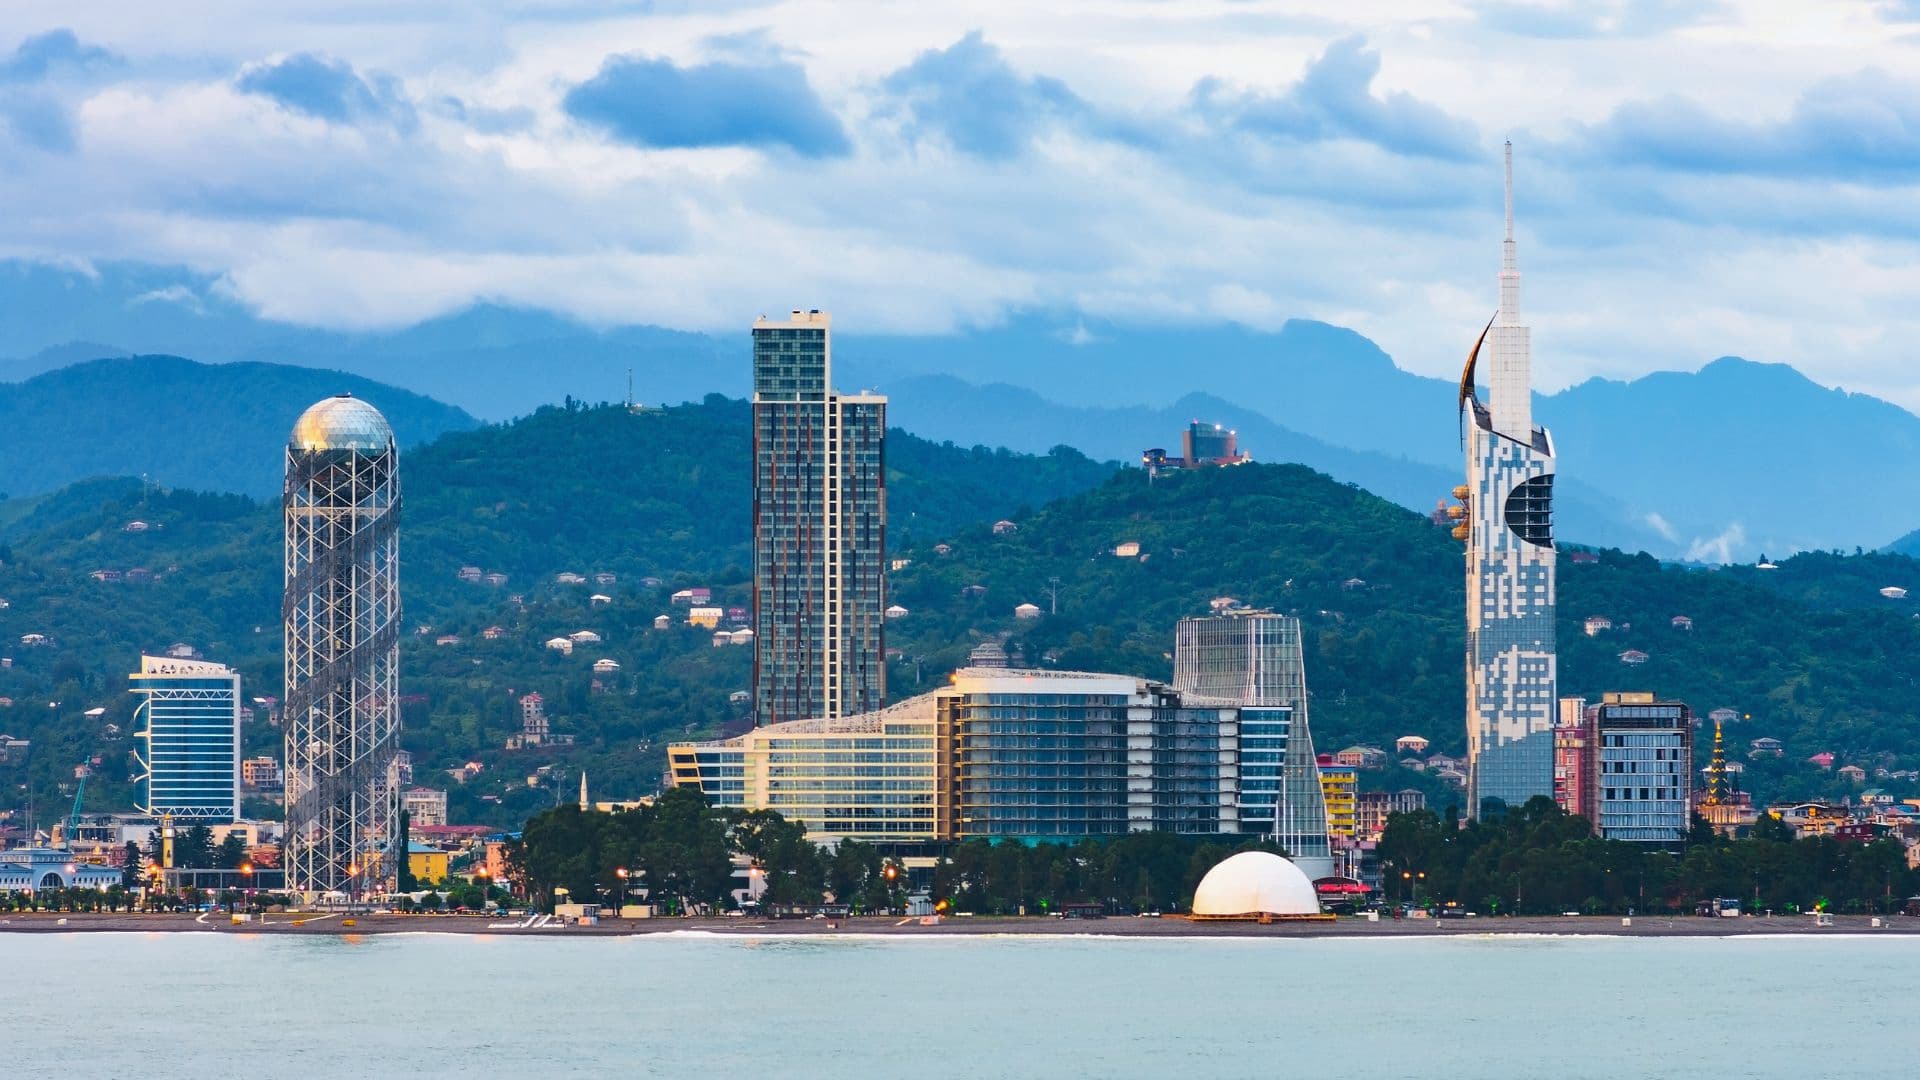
(1634,765)
(188,725)
(819,530)
(1508,527)
(1034,755)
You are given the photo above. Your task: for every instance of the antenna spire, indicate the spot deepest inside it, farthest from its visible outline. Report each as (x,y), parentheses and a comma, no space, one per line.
(1509,191)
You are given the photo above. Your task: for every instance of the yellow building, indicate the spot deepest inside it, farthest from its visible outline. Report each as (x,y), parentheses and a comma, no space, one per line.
(427,864)
(1340,787)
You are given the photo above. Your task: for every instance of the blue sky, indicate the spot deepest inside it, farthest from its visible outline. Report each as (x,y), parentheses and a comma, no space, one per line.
(1694,178)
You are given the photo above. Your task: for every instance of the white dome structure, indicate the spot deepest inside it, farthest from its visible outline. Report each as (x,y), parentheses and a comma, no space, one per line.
(1254,885)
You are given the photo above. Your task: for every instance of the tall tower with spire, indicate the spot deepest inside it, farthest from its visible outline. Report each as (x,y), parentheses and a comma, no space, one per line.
(1512,673)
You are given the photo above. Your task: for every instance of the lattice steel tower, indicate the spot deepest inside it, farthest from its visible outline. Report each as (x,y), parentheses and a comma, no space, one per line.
(342,619)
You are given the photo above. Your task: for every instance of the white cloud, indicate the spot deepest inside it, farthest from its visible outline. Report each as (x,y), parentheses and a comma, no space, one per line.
(1130,202)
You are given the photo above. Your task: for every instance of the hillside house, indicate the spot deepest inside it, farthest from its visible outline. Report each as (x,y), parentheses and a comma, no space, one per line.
(495,579)
(722,638)
(1128,549)
(663,622)
(447,639)
(1852,774)
(895,611)
(1410,744)
(1003,527)
(1766,747)
(561,645)
(599,600)
(569,578)
(470,574)
(1681,622)
(604,578)
(1595,625)
(584,637)
(494,633)
(604,666)
(1027,611)
(692,597)
(1634,657)
(1823,759)
(708,617)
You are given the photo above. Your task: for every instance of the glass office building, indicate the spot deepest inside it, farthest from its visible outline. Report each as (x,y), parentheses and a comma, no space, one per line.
(819,530)
(1642,784)
(188,726)
(1047,755)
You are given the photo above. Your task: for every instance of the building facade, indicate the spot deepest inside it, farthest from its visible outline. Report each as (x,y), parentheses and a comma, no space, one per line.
(1626,765)
(998,753)
(342,619)
(1255,658)
(1340,787)
(819,530)
(424,806)
(188,724)
(1512,668)
(869,777)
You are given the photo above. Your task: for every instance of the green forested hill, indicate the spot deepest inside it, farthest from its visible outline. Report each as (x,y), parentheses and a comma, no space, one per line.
(1810,650)
(662,493)
(1814,657)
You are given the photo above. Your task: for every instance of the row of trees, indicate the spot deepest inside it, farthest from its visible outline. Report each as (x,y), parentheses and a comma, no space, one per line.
(1538,860)
(681,851)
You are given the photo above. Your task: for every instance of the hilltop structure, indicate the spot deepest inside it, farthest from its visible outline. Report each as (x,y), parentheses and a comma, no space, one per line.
(342,613)
(1507,523)
(819,530)
(188,722)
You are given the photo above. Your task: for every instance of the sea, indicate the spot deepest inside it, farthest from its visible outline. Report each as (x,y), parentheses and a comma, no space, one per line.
(696,1005)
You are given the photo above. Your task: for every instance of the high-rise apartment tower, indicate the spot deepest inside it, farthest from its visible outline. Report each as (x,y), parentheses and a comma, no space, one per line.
(188,723)
(819,530)
(342,619)
(1508,527)
(1255,658)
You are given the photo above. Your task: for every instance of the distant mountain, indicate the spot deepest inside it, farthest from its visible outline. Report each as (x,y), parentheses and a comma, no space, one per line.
(219,427)
(1723,464)
(1741,458)
(943,407)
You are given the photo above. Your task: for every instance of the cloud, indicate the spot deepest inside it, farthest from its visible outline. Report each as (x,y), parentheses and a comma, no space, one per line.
(43,54)
(35,87)
(1580,19)
(1720,548)
(329,89)
(171,294)
(654,102)
(1334,100)
(1661,525)
(969,95)
(1863,127)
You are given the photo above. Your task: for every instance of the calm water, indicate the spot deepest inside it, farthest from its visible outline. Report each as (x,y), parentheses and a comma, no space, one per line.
(407,1006)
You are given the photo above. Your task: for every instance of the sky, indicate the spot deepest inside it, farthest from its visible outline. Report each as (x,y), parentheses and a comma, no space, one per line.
(1693,179)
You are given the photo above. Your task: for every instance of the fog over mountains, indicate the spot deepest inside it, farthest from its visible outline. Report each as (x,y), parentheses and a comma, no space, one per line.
(1723,464)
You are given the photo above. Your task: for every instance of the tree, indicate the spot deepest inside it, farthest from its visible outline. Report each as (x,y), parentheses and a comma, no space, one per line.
(131,866)
(231,852)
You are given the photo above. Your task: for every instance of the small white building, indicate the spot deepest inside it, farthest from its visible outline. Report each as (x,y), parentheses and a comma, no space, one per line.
(599,600)
(584,637)
(1129,549)
(569,579)
(1894,592)
(895,611)
(1027,611)
(563,646)
(663,622)
(604,666)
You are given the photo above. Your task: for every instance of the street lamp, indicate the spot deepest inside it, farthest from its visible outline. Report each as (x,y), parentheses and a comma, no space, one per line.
(246,884)
(622,874)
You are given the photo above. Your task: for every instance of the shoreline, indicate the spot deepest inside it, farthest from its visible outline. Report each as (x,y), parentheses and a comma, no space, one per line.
(294,924)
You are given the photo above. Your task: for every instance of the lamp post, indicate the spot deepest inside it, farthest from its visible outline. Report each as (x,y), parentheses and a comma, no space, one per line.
(480,876)
(246,884)
(625,878)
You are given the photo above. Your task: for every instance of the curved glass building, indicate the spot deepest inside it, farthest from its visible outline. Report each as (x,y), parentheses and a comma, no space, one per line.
(1508,527)
(188,724)
(341,614)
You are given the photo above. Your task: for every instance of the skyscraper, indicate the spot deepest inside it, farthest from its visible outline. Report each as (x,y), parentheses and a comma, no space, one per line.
(1511,671)
(188,723)
(342,612)
(1255,658)
(819,530)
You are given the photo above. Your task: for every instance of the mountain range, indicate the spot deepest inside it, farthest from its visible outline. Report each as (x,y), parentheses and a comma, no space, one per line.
(1731,462)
